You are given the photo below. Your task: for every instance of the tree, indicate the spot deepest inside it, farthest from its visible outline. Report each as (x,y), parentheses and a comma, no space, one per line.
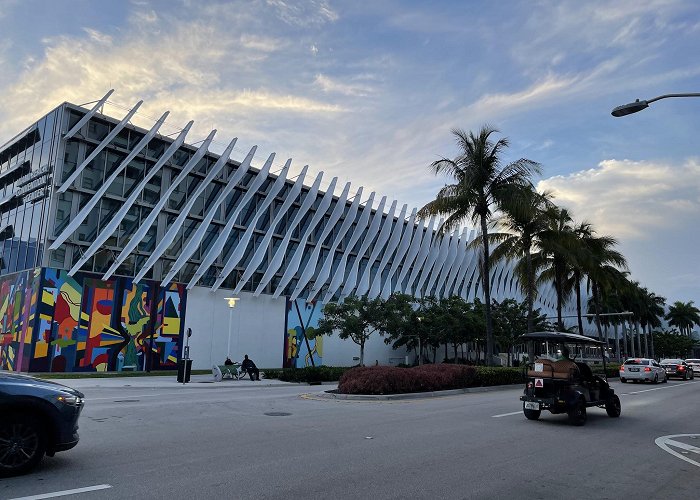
(480,184)
(510,319)
(522,222)
(554,256)
(355,318)
(683,315)
(672,345)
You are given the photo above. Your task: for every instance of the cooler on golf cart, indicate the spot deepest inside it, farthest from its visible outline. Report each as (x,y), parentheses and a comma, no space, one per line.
(558,380)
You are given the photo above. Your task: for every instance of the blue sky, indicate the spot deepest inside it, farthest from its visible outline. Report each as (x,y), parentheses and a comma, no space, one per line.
(369,91)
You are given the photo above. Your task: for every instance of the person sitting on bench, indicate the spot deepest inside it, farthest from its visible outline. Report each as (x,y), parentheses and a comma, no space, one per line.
(249,366)
(228,362)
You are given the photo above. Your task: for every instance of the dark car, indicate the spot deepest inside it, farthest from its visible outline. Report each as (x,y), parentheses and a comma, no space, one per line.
(37,417)
(677,368)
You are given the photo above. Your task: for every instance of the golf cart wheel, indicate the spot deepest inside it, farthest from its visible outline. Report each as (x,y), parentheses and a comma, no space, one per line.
(22,444)
(531,414)
(623,380)
(577,414)
(613,407)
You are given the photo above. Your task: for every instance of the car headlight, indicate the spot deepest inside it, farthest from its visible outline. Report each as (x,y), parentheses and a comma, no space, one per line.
(70,399)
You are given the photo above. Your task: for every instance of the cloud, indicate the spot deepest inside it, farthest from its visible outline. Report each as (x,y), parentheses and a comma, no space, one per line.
(304,13)
(327,84)
(631,199)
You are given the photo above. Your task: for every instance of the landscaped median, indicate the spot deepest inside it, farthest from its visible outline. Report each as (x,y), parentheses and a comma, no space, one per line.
(379,380)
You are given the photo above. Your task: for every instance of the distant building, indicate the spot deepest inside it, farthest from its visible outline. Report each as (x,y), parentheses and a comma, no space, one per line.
(114,239)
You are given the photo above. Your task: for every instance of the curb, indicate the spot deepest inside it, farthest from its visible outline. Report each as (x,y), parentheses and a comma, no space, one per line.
(415,395)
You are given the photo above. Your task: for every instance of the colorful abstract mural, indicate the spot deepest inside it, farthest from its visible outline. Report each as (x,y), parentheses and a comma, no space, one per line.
(300,343)
(52,322)
(18,299)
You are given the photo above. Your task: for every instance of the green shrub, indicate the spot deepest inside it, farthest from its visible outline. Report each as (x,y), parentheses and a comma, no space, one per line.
(487,376)
(270,373)
(311,374)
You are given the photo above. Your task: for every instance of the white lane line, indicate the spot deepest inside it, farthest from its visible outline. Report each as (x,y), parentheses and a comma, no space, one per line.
(75,491)
(665,443)
(659,388)
(506,414)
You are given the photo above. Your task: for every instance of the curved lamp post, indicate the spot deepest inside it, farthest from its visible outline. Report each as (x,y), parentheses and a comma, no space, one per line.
(633,107)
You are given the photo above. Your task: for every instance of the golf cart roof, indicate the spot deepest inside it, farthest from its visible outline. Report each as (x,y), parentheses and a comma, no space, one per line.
(560,337)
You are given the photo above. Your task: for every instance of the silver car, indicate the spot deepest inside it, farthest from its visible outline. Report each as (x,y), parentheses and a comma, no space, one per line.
(642,369)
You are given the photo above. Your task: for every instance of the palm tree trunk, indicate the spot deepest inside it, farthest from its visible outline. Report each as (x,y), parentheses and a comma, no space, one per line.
(558,287)
(577,280)
(596,303)
(651,339)
(633,352)
(530,291)
(617,343)
(646,342)
(639,338)
(486,284)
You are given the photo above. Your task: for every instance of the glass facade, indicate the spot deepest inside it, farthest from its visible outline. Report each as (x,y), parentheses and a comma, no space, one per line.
(129,197)
(27,165)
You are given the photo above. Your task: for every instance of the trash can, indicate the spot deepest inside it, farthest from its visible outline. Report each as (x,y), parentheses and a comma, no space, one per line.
(181,370)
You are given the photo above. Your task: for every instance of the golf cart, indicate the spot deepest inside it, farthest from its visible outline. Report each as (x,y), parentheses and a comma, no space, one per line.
(560,381)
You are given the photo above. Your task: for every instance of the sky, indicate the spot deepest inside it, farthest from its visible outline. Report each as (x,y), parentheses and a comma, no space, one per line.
(370,91)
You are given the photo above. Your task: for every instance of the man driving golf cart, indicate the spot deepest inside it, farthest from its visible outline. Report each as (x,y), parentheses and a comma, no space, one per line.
(564,383)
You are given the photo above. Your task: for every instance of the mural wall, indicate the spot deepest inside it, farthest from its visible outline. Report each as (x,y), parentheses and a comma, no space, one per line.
(18,298)
(302,320)
(58,323)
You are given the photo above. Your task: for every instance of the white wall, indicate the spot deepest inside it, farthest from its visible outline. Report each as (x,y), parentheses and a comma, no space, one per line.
(257,328)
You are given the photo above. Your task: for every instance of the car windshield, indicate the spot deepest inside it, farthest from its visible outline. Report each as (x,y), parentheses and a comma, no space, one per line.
(637,362)
(671,361)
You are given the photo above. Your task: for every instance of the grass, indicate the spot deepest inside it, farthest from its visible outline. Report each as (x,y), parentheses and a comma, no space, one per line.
(159,373)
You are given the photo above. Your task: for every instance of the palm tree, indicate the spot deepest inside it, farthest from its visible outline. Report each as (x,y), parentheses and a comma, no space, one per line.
(683,315)
(652,312)
(522,222)
(481,184)
(555,254)
(604,266)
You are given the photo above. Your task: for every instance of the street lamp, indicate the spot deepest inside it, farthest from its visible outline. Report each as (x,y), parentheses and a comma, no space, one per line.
(633,107)
(231,304)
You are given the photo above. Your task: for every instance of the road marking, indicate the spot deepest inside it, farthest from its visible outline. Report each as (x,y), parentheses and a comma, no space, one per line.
(76,491)
(506,414)
(665,442)
(659,388)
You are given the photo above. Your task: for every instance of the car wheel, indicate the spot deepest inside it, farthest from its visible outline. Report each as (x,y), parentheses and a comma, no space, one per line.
(623,380)
(531,414)
(613,407)
(22,444)
(577,414)
(665,381)
(685,376)
(656,378)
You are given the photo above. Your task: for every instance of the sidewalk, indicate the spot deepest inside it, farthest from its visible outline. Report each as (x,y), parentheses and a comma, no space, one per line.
(164,382)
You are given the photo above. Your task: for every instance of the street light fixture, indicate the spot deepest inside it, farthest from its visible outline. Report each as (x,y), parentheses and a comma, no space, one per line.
(231,304)
(633,107)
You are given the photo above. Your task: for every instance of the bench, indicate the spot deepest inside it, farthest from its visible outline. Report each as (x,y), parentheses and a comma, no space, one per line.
(233,372)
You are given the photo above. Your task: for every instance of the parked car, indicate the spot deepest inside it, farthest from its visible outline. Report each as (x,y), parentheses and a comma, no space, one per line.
(694,363)
(643,369)
(37,417)
(677,368)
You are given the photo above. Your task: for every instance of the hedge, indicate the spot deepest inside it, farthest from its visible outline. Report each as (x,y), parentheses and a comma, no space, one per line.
(307,374)
(437,377)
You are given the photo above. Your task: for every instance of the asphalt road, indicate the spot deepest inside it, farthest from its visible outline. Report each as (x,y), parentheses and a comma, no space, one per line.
(220,442)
